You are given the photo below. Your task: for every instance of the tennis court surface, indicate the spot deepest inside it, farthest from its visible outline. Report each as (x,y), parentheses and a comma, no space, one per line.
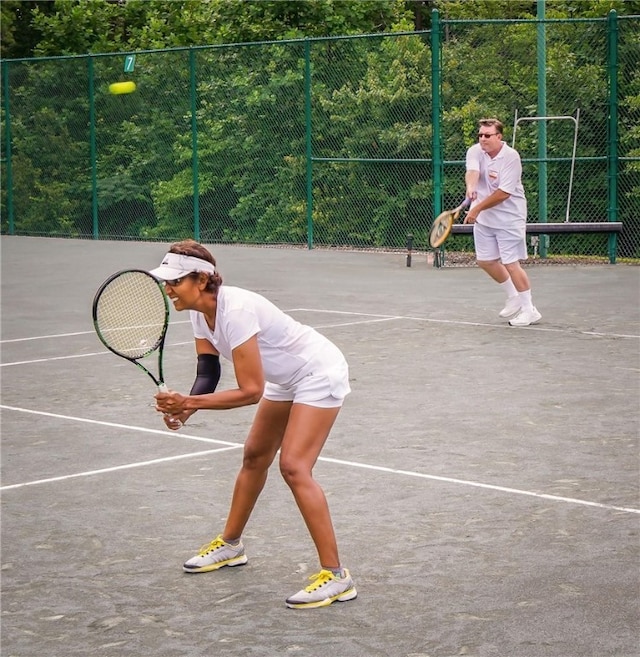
(483,480)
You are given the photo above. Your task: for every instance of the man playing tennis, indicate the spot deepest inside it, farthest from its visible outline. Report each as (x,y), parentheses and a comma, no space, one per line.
(299,380)
(499,216)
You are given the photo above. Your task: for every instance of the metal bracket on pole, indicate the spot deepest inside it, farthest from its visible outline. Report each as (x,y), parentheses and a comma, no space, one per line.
(576,121)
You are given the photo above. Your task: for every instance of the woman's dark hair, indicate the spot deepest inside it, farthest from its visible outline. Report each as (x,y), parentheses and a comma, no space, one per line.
(195,249)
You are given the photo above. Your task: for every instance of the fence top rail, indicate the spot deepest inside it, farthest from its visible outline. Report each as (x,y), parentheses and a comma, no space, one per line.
(218,46)
(379,35)
(513,21)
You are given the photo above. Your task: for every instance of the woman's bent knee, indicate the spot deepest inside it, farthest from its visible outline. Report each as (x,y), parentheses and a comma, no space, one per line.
(257,459)
(293,473)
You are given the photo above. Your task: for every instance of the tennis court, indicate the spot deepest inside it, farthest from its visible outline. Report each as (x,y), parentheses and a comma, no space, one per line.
(483,480)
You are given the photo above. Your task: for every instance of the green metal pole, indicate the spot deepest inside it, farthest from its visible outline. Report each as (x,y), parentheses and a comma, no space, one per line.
(436,145)
(612,148)
(7,133)
(92,146)
(542,125)
(194,145)
(307,130)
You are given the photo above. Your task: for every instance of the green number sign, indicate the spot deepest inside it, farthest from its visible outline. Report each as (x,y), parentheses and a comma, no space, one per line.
(129,63)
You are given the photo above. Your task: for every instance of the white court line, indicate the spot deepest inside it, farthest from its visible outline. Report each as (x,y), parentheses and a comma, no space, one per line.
(69,335)
(173,344)
(477,484)
(52,358)
(45,337)
(116,425)
(66,335)
(353,464)
(456,322)
(374,318)
(127,466)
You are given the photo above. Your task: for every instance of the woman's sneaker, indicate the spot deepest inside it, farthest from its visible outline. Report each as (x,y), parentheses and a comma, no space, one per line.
(216,555)
(324,589)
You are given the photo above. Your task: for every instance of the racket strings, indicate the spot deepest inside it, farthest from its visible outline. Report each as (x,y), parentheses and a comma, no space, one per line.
(441,227)
(130,314)
(442,222)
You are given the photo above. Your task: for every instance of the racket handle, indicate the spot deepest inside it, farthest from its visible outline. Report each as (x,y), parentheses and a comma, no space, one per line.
(162,387)
(175,421)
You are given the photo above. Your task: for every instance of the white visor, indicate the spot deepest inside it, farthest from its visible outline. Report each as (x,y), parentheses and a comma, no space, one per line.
(175,266)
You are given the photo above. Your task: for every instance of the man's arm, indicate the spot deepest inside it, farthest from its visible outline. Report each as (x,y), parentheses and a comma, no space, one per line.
(493,199)
(471,178)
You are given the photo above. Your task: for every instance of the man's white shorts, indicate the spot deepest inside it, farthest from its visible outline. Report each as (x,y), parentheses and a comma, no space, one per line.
(505,244)
(325,385)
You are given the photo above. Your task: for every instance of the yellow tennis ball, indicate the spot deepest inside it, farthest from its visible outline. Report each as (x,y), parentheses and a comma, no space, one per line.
(122,87)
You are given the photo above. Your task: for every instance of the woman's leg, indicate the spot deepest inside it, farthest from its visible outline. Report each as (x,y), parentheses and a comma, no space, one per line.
(304,437)
(260,448)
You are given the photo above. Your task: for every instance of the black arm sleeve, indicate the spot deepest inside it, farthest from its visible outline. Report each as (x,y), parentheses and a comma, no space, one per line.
(207,374)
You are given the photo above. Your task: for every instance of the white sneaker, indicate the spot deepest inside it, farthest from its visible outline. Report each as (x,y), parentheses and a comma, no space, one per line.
(324,589)
(511,308)
(216,555)
(526,317)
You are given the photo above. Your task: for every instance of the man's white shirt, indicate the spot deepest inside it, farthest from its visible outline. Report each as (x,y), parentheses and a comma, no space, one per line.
(503,172)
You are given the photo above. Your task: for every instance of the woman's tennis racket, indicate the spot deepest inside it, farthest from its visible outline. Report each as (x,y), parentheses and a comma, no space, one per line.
(131,316)
(443,222)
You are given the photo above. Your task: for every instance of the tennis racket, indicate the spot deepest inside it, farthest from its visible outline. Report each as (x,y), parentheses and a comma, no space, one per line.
(443,222)
(131,317)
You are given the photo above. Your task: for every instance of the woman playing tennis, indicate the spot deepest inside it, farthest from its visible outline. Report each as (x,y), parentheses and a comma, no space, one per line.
(299,380)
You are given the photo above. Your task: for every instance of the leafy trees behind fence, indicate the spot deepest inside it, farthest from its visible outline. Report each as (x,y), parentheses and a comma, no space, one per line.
(371,133)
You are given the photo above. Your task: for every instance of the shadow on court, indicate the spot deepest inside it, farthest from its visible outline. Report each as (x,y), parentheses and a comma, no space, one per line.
(483,480)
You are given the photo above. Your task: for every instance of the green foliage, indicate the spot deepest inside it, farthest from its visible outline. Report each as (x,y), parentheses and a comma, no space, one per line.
(527,9)
(75,27)
(68,27)
(370,119)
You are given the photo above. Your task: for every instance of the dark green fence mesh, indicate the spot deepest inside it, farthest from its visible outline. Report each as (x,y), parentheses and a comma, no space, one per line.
(343,142)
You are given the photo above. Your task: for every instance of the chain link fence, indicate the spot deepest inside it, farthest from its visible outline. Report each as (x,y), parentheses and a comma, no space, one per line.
(350,142)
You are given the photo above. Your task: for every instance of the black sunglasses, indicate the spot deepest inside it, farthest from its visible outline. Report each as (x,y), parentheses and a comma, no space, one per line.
(486,134)
(175,282)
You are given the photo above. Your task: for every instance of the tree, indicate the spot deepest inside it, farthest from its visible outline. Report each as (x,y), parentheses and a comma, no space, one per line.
(19,35)
(370,113)
(82,26)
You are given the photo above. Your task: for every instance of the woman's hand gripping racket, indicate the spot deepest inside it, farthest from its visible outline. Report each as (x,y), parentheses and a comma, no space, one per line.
(131,317)
(442,224)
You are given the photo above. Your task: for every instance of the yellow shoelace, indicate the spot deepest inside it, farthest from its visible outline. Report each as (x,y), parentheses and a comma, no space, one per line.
(319,579)
(215,543)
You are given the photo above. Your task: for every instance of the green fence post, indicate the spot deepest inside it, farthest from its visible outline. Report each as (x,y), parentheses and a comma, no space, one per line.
(435,112)
(7,151)
(92,147)
(194,145)
(612,147)
(307,131)
(543,211)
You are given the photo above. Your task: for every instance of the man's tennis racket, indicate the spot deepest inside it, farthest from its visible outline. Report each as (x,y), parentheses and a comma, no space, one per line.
(443,222)
(131,316)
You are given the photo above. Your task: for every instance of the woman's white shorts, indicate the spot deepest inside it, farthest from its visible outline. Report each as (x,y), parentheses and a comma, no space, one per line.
(324,385)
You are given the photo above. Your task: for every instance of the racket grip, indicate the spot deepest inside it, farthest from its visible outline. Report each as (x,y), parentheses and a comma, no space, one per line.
(162,387)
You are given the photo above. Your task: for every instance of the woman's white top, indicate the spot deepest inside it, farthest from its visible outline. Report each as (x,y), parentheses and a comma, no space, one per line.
(289,349)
